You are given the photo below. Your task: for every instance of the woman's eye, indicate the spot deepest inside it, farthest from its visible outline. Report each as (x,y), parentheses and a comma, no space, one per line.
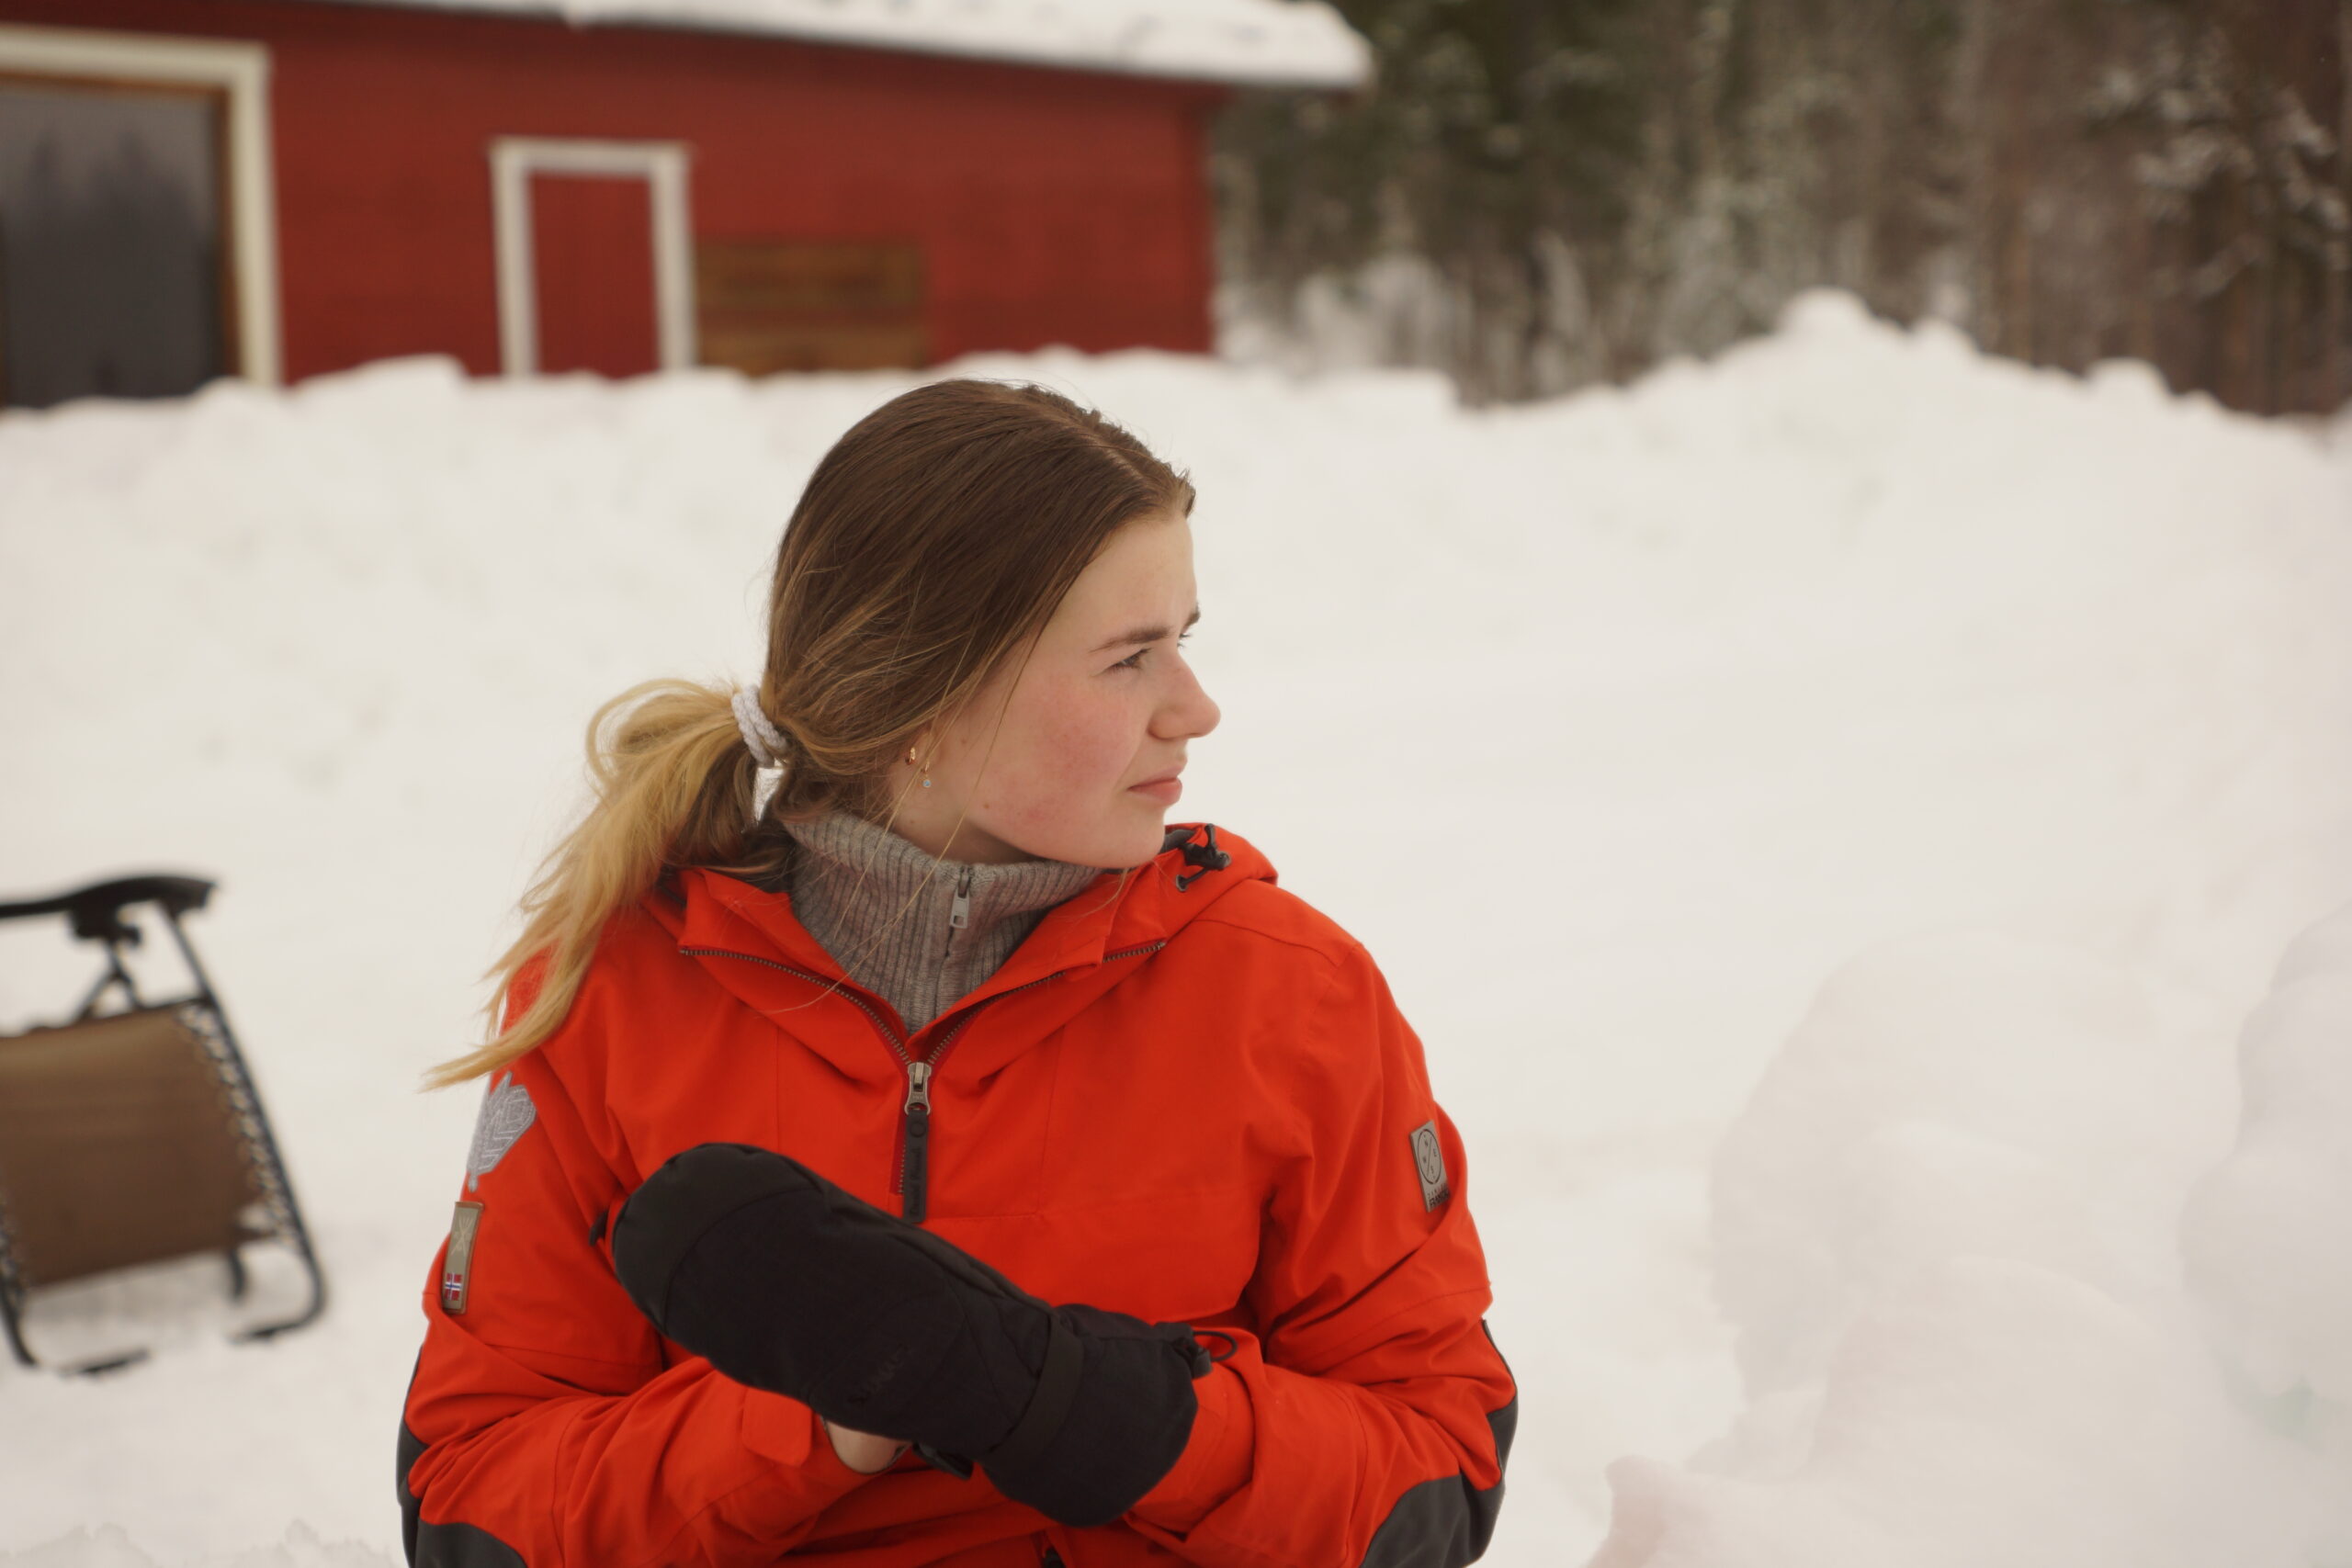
(1134,660)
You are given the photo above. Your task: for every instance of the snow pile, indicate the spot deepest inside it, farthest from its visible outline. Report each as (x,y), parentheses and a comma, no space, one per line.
(1944,1232)
(2265,1235)
(1265,43)
(1613,725)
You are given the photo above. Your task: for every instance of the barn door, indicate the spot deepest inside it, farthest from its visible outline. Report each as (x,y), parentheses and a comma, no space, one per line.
(594,268)
(112,274)
(593,264)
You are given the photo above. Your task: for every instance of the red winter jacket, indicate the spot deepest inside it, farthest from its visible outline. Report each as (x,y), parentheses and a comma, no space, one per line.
(1187,1096)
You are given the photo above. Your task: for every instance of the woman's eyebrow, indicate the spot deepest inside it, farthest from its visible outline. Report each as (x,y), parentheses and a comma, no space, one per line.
(1146,634)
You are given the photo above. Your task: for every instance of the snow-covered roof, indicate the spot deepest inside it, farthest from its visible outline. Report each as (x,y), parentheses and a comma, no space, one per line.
(1294,43)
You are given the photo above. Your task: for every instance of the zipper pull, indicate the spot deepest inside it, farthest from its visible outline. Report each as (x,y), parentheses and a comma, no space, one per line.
(959,914)
(914,1175)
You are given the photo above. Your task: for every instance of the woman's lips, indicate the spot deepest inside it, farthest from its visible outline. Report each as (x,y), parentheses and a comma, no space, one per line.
(1167,789)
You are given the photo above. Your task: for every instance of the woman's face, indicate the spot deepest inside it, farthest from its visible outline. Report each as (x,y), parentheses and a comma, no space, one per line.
(1073,756)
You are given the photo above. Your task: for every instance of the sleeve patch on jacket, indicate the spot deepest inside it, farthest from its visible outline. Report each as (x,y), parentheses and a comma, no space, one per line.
(457,1267)
(506,1114)
(1429,1160)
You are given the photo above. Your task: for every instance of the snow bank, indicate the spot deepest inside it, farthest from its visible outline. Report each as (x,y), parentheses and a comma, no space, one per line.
(2265,1232)
(1269,43)
(1614,726)
(1967,1095)
(1945,1235)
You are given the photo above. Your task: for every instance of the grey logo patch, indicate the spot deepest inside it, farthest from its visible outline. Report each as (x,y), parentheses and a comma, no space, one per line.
(1429,1162)
(506,1114)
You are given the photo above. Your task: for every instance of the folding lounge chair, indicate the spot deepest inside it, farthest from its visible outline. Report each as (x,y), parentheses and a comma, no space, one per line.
(132,1136)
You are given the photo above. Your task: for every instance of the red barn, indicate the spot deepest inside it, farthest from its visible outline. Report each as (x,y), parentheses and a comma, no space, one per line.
(274,188)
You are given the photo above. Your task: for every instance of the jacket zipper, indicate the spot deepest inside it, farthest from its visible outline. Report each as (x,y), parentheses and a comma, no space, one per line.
(911,1177)
(913,1182)
(959,913)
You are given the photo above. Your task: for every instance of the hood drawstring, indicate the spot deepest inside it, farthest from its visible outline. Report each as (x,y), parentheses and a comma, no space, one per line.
(1203,858)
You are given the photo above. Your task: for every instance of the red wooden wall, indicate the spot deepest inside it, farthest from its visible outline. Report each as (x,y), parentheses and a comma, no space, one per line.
(1052,206)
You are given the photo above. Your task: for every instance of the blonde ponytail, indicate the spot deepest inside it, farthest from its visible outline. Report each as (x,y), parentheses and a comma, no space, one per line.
(672,788)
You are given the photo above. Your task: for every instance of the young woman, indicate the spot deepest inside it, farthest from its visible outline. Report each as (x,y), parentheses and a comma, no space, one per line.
(900,1147)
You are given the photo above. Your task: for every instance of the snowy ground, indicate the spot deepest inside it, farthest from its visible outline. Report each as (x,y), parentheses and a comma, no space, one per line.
(1617,727)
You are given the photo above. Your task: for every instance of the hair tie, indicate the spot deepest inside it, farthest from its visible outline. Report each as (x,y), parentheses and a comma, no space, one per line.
(766,743)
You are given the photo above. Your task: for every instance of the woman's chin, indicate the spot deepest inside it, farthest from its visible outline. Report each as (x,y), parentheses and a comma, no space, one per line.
(1118,846)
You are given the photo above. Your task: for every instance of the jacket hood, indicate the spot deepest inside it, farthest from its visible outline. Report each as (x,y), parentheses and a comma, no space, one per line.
(749,942)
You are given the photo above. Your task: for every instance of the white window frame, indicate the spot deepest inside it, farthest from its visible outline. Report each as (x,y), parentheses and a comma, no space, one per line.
(240,72)
(663,164)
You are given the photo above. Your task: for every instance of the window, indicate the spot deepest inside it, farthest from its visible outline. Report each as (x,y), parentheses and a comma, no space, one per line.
(136,231)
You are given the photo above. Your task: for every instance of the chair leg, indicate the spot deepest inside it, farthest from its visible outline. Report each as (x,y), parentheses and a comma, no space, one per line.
(285,1212)
(105,1364)
(237,1280)
(15,1330)
(301,1243)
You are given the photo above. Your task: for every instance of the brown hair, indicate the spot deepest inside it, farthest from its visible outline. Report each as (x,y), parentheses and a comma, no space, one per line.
(934,542)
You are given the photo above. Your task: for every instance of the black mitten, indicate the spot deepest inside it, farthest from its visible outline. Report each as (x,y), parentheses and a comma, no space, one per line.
(786,1283)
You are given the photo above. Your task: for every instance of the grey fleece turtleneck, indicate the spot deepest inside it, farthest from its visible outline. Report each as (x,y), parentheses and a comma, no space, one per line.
(918,932)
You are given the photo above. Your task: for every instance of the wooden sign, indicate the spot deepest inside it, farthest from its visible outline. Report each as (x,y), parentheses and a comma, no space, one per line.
(765,306)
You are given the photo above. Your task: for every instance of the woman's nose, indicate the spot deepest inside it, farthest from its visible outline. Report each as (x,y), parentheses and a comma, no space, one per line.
(1190,712)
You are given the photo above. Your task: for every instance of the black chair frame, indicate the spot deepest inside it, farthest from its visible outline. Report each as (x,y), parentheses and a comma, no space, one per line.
(95,914)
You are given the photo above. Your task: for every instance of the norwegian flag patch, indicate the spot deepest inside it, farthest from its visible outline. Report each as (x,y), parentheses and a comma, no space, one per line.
(458,1262)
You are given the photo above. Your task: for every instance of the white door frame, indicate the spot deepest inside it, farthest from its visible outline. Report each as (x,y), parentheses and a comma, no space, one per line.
(513,160)
(241,73)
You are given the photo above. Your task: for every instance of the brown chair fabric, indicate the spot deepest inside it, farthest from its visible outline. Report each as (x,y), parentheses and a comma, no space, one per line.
(117,1146)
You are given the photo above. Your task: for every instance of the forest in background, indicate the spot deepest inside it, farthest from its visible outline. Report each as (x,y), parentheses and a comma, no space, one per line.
(1541,194)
